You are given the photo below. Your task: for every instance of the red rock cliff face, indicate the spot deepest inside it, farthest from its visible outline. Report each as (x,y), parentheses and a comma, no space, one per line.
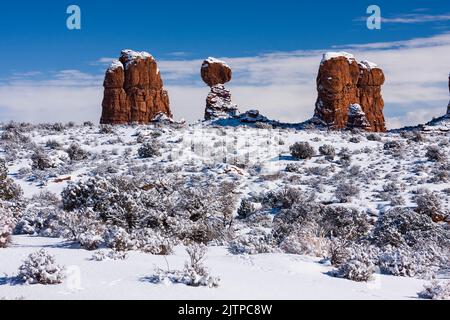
(342,82)
(134,91)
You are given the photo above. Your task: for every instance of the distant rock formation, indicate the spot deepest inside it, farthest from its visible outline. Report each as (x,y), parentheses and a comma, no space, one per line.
(342,82)
(357,118)
(216,73)
(134,91)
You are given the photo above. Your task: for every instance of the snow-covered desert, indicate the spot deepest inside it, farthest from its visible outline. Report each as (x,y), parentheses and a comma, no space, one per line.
(223,210)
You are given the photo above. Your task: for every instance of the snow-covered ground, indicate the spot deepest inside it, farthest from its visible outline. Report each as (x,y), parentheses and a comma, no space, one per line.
(265,276)
(369,173)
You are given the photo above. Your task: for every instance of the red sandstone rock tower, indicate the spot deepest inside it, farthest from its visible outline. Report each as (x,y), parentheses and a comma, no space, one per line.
(134,91)
(343,81)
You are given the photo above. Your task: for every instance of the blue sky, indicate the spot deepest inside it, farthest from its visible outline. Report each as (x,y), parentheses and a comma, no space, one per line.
(37,46)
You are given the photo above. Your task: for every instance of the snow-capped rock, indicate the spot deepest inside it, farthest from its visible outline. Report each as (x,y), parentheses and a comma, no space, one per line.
(219,104)
(215,72)
(357,118)
(134,90)
(343,81)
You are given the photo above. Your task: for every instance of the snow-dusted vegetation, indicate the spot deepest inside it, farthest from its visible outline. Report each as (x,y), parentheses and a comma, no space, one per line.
(344,210)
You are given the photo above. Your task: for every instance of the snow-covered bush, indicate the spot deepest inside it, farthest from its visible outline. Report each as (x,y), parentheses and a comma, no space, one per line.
(246,209)
(41,216)
(9,190)
(344,222)
(345,157)
(149,241)
(373,137)
(328,151)
(76,153)
(194,274)
(428,203)
(436,290)
(255,242)
(346,191)
(292,167)
(109,255)
(356,270)
(407,262)
(150,149)
(53,144)
(392,145)
(40,160)
(402,226)
(302,151)
(435,154)
(7,222)
(306,239)
(40,268)
(119,239)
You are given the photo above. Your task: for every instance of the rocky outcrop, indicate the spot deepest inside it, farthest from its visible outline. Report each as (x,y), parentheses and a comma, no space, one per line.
(343,81)
(216,73)
(134,91)
(357,118)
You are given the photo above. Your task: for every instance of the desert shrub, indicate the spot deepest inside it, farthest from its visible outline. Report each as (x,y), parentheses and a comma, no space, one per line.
(435,154)
(302,151)
(53,144)
(355,139)
(41,216)
(428,203)
(9,190)
(255,242)
(328,151)
(118,239)
(40,268)
(373,137)
(408,262)
(345,157)
(306,239)
(246,209)
(150,150)
(109,255)
(356,270)
(392,145)
(344,222)
(402,226)
(107,129)
(7,222)
(194,274)
(76,153)
(149,241)
(436,290)
(283,198)
(346,191)
(293,167)
(40,160)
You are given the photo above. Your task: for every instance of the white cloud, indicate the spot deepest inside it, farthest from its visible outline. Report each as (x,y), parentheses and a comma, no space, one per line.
(281,84)
(416,18)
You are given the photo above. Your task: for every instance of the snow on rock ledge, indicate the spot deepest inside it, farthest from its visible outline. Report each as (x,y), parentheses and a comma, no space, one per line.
(333,55)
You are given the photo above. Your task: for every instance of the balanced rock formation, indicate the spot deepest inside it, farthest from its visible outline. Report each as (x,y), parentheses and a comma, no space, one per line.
(216,73)
(357,118)
(134,91)
(342,82)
